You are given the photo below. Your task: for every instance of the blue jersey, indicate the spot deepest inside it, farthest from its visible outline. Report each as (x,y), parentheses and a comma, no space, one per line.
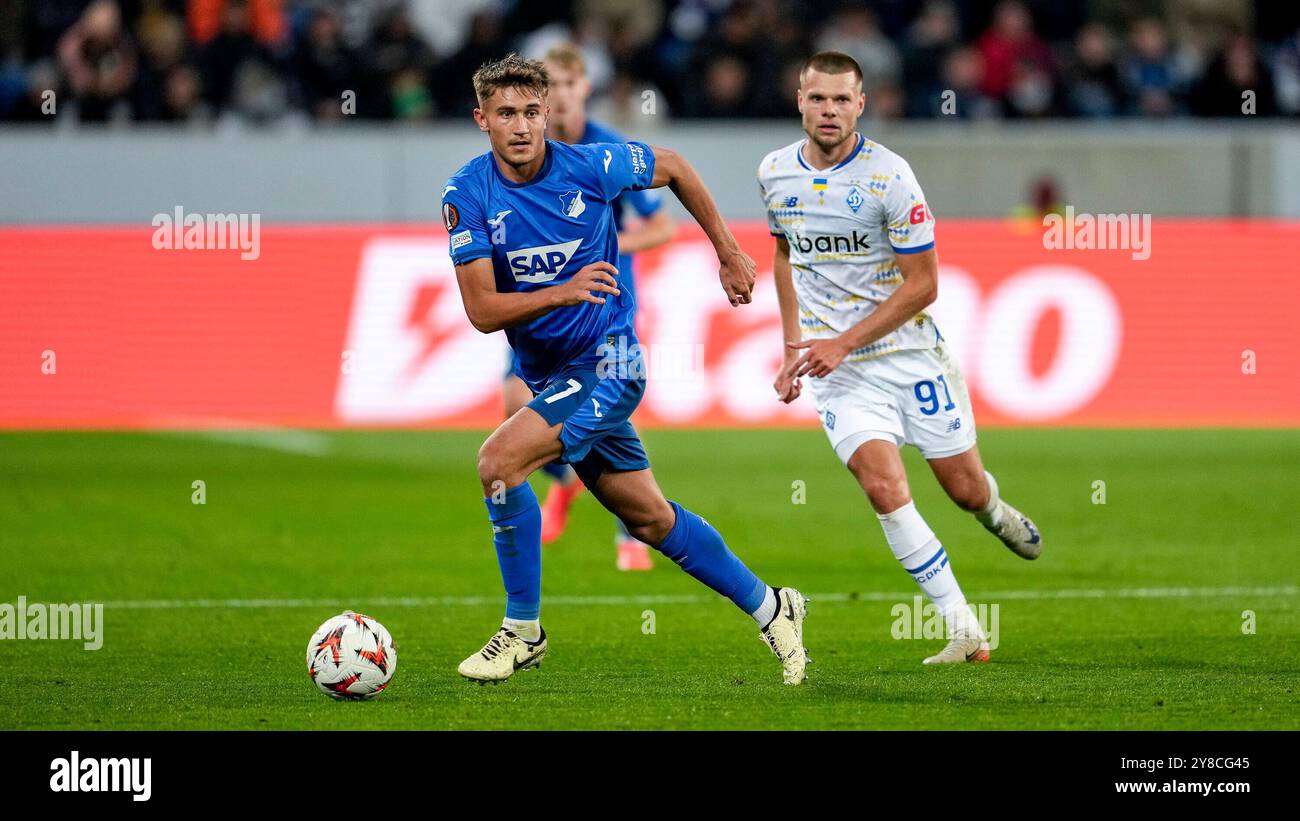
(645,203)
(539,233)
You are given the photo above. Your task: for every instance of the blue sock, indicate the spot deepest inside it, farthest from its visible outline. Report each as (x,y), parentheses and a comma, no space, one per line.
(699,550)
(517,535)
(558,471)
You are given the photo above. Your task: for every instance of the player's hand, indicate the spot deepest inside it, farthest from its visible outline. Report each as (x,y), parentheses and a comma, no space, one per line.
(587,285)
(787,386)
(737,272)
(820,357)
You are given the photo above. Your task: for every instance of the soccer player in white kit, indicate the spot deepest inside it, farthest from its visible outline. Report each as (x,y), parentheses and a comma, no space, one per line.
(855,268)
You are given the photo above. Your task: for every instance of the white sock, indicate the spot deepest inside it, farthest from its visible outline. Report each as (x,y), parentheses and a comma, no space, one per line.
(767,609)
(919,552)
(962,620)
(992,512)
(530,630)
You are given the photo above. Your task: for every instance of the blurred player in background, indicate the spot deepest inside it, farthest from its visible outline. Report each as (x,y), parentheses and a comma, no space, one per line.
(531,232)
(568,123)
(855,268)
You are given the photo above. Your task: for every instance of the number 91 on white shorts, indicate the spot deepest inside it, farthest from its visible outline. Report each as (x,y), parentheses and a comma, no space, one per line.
(912,396)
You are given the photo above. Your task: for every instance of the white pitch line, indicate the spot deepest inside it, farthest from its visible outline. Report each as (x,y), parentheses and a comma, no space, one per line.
(867,596)
(234,432)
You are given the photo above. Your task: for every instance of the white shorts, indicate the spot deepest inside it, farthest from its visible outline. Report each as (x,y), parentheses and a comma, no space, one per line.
(915,397)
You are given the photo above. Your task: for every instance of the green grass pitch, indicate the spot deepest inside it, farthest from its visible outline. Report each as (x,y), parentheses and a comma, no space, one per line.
(1133,618)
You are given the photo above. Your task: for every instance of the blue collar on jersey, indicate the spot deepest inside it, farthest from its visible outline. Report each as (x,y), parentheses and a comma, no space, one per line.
(541,175)
(861,142)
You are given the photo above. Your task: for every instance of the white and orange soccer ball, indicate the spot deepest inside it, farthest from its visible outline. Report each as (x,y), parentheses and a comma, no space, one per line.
(351,657)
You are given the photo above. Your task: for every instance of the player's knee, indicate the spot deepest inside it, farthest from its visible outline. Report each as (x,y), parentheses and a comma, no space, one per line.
(495,466)
(652,524)
(886,493)
(970,493)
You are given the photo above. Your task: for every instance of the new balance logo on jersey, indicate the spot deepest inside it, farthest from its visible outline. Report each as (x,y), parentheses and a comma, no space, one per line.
(855,244)
(543,263)
(954,425)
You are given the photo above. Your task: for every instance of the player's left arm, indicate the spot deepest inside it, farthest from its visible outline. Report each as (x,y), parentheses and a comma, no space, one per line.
(920,288)
(736,269)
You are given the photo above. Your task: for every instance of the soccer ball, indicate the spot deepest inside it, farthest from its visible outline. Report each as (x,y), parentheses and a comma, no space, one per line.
(351,657)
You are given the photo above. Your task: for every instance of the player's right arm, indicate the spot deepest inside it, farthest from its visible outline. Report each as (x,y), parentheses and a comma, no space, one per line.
(471,252)
(490,310)
(787,385)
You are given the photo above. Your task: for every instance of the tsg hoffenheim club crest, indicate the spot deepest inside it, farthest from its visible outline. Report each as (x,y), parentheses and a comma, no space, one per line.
(571,203)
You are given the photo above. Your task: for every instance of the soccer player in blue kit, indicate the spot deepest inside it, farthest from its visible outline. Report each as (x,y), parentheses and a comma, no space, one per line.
(568,122)
(532,238)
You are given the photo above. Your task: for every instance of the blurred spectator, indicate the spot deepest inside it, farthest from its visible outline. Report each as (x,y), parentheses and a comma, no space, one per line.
(1286,74)
(238,70)
(162,49)
(263,61)
(99,61)
(36,85)
(47,20)
(265,19)
(934,35)
(885,102)
(183,97)
(1236,74)
(1150,75)
(325,67)
(1017,65)
(724,89)
(12,13)
(398,67)
(855,31)
(963,72)
(455,94)
(1092,76)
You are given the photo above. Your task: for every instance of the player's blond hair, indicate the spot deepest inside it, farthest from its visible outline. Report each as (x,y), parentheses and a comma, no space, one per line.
(511,71)
(567,56)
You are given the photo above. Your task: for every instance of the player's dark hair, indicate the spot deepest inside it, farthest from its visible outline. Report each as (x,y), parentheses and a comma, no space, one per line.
(831,62)
(511,71)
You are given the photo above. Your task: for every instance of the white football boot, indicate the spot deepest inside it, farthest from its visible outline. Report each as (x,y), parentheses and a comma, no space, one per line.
(1013,528)
(784,634)
(1016,531)
(966,642)
(503,656)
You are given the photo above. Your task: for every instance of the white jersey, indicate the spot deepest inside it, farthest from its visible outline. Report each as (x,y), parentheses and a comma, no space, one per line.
(845,224)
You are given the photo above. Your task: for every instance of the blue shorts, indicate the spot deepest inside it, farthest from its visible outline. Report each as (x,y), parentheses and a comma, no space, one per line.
(594,411)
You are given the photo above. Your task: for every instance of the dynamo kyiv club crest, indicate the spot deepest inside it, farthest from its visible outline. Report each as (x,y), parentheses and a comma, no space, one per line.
(855,199)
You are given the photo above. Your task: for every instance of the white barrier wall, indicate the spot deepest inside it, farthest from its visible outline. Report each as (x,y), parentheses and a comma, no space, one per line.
(369,173)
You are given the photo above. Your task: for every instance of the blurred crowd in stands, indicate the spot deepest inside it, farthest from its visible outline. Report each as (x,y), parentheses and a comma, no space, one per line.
(204,62)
